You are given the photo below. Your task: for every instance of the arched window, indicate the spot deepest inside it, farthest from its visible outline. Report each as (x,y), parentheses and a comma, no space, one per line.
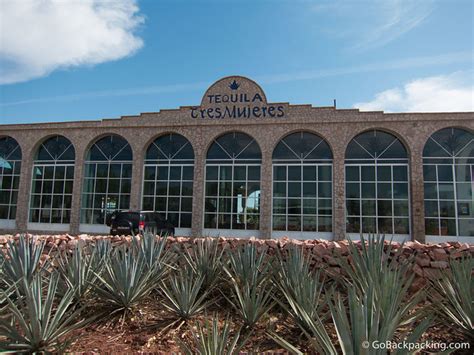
(107,179)
(302,184)
(53,180)
(168,179)
(233,183)
(10,168)
(448,171)
(377,185)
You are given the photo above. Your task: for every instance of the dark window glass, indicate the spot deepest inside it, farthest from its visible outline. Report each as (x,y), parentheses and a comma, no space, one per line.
(253,172)
(170,147)
(400,208)
(9,149)
(309,173)
(324,189)
(368,190)
(369,225)
(353,207)
(324,173)
(279,173)
(57,148)
(400,190)
(429,172)
(368,207)
(445,173)
(384,173)
(446,191)
(464,191)
(188,173)
(384,208)
(368,173)
(401,226)
(375,144)
(447,209)
(450,142)
(294,173)
(463,173)
(352,190)
(302,146)
(294,189)
(232,146)
(353,225)
(352,173)
(384,190)
(240,173)
(109,148)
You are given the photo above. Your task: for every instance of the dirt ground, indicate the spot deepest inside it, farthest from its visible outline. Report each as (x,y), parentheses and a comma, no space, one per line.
(152,330)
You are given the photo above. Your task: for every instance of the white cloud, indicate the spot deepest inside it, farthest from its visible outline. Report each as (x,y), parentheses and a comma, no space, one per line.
(370,24)
(444,93)
(40,36)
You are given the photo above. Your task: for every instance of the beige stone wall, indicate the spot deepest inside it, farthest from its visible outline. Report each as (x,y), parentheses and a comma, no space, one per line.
(337,126)
(428,260)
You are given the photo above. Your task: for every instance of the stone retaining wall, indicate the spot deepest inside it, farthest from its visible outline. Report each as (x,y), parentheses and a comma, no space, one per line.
(429,258)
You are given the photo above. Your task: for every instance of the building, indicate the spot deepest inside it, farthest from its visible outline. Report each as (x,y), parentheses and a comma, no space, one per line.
(239,165)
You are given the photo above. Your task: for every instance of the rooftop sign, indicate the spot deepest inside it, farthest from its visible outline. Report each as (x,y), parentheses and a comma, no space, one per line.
(236,97)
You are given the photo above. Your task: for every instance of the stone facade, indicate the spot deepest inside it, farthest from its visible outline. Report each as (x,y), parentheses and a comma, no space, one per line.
(428,260)
(336,126)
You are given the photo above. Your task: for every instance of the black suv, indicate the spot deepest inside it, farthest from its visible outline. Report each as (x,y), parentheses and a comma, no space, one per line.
(137,222)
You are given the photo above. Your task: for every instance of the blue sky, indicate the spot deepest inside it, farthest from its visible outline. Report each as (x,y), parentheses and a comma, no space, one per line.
(71,60)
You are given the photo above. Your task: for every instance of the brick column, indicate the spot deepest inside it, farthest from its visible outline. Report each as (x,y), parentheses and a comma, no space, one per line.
(339,203)
(266,195)
(417,198)
(137,179)
(198,192)
(23,200)
(77,193)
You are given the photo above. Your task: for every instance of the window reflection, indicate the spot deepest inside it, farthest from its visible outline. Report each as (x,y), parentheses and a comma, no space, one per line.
(377,187)
(448,165)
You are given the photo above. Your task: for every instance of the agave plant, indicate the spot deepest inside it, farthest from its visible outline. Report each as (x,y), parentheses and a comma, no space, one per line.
(210,339)
(250,278)
(102,249)
(247,265)
(40,321)
(369,319)
(79,271)
(205,258)
(302,288)
(370,264)
(125,280)
(153,252)
(184,294)
(453,296)
(23,259)
(377,308)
